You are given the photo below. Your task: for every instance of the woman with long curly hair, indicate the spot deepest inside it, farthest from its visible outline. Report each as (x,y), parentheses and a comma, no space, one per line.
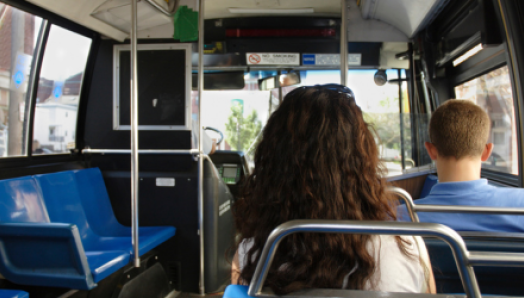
(318,160)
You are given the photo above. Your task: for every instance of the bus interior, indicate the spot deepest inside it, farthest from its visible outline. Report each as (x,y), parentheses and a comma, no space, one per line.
(103,196)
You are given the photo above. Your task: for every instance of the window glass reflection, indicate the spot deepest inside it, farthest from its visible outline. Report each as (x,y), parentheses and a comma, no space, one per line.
(493,93)
(19,33)
(58,93)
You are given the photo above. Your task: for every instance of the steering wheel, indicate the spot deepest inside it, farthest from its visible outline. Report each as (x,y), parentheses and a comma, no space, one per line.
(217,131)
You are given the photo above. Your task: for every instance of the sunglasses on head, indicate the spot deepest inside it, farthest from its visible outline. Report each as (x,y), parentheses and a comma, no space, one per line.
(335,87)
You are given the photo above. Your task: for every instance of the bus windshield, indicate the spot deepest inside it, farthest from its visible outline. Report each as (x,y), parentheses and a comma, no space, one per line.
(242,114)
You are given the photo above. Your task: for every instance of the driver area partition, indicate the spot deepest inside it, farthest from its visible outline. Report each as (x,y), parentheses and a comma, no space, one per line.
(219,229)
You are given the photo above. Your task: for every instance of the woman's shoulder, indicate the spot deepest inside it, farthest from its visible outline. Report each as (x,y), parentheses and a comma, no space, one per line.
(399,270)
(390,244)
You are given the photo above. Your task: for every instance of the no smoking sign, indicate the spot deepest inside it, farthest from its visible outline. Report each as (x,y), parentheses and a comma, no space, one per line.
(254,59)
(273,58)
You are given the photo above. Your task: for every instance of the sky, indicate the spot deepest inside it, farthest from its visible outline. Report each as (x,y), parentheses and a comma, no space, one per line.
(65,54)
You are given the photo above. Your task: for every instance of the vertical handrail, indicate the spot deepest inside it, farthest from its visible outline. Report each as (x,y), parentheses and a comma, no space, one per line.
(401,115)
(134,135)
(344,44)
(455,242)
(201,142)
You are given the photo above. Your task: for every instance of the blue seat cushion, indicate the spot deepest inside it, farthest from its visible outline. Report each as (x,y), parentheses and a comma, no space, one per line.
(104,263)
(13,294)
(149,238)
(236,291)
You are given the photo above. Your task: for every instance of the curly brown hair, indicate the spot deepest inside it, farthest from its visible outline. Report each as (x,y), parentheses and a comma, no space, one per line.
(317,160)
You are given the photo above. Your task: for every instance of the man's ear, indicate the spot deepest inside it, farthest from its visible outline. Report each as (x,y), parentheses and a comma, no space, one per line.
(486,152)
(432,150)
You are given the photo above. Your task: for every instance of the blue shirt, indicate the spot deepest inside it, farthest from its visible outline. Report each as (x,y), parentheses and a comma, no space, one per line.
(472,193)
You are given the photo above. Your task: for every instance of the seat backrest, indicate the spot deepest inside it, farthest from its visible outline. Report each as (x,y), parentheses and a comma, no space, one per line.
(62,198)
(492,280)
(96,203)
(21,201)
(430,181)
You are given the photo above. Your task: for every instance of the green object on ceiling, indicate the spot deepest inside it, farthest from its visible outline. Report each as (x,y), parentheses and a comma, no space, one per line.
(186,24)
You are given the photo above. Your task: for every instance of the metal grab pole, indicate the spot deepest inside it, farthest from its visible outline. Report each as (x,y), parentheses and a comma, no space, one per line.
(134,136)
(455,242)
(344,44)
(201,141)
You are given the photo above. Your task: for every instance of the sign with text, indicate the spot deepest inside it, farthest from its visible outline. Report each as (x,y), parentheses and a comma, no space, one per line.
(273,59)
(354,59)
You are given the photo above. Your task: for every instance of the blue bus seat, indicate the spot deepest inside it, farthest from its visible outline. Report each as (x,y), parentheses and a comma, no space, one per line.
(44,254)
(430,181)
(13,294)
(492,280)
(80,197)
(236,291)
(79,241)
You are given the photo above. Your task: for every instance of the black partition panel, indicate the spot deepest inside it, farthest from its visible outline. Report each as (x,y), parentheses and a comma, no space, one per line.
(98,125)
(161,87)
(175,206)
(219,230)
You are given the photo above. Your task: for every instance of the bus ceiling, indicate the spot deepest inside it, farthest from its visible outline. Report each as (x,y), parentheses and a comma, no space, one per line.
(369,20)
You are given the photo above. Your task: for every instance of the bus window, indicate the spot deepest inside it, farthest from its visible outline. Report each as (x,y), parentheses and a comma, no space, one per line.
(381,108)
(19,33)
(492,92)
(242,114)
(58,93)
(239,114)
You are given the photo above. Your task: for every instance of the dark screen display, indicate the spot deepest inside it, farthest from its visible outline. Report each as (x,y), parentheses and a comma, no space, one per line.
(230,172)
(161,87)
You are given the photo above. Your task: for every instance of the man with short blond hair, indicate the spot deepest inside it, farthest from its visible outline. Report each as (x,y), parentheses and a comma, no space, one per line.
(459,132)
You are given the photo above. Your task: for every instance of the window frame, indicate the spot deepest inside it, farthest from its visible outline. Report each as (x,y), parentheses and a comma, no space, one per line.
(487,60)
(49,19)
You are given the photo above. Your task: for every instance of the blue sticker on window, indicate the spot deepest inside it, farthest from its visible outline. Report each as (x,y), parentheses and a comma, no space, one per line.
(58,91)
(19,78)
(308,59)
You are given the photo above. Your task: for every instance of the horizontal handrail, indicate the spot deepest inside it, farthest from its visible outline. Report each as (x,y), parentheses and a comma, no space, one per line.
(468,209)
(414,208)
(140,151)
(370,228)
(464,259)
(488,258)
